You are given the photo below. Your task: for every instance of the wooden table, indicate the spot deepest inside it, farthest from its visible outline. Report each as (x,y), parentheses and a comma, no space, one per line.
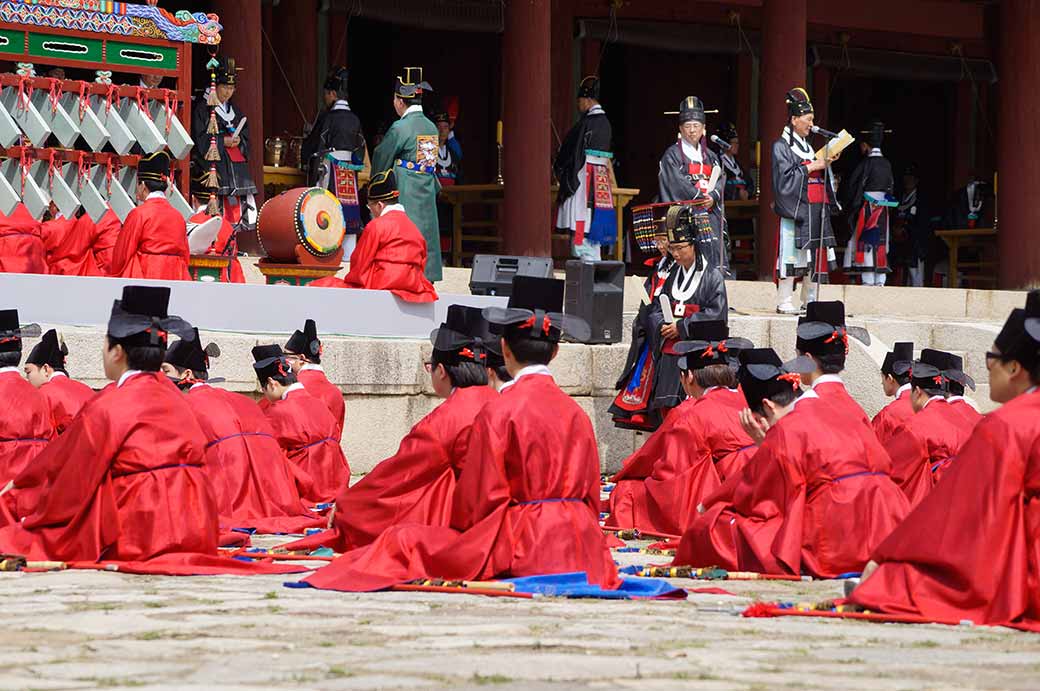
(960,237)
(491,196)
(738,210)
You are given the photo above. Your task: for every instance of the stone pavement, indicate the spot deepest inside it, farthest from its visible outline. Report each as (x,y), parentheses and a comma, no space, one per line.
(74,630)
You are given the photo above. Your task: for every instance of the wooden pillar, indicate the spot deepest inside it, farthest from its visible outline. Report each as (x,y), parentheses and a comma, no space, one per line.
(526,152)
(562,78)
(293,31)
(783,68)
(241,41)
(1018,144)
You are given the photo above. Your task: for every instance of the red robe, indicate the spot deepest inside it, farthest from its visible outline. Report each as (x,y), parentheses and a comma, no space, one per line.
(966,410)
(69,250)
(318,385)
(226,243)
(65,397)
(124,482)
(390,255)
(25,424)
(152,244)
(526,503)
(660,485)
(971,549)
(253,482)
(306,431)
(21,243)
(832,389)
(890,418)
(924,446)
(106,232)
(815,500)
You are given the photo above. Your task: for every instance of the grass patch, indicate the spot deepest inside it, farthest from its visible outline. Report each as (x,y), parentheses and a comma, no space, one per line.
(326,644)
(92,607)
(488,679)
(274,609)
(155,604)
(339,672)
(111,682)
(273,595)
(149,636)
(924,644)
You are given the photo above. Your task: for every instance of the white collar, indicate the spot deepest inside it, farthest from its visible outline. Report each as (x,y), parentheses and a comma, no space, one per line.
(709,390)
(310,366)
(690,151)
(197,385)
(341,104)
(126,375)
(595,110)
(904,387)
(292,387)
(9,369)
(806,395)
(411,109)
(967,400)
(59,374)
(393,207)
(798,145)
(155,195)
(875,153)
(932,398)
(828,379)
(525,372)
(1032,389)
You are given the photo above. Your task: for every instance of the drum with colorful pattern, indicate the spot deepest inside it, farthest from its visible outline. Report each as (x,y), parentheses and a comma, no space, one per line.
(309,217)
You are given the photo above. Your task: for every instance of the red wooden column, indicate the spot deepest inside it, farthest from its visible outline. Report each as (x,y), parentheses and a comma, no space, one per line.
(562,83)
(526,153)
(782,68)
(1018,144)
(242,41)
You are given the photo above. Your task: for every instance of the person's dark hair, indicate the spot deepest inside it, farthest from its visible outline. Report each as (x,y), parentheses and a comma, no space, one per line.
(146,358)
(933,392)
(1034,373)
(956,389)
(10,358)
(462,374)
(831,363)
(285,380)
(529,351)
(503,374)
(155,185)
(901,379)
(200,375)
(784,397)
(715,375)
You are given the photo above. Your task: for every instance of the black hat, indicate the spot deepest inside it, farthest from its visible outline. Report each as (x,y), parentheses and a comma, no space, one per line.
(531,293)
(337,80)
(875,133)
(538,324)
(51,350)
(589,88)
(154,166)
(681,225)
(140,318)
(268,361)
(458,339)
(798,102)
(709,344)
(470,321)
(411,85)
(383,187)
(691,110)
(822,330)
(727,132)
(1019,339)
(305,342)
(190,354)
(899,359)
(958,377)
(226,71)
(930,370)
(11,332)
(762,374)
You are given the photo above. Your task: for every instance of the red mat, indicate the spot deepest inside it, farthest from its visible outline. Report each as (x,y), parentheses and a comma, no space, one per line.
(772,609)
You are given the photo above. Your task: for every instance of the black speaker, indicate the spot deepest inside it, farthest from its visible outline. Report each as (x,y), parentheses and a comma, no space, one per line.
(492,274)
(596,293)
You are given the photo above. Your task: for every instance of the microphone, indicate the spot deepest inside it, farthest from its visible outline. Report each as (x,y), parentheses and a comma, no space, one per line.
(823,132)
(720,142)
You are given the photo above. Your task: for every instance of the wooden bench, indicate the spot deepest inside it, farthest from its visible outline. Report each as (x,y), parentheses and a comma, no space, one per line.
(980,271)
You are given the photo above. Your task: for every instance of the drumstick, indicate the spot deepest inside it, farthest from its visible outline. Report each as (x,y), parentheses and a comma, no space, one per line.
(490,585)
(666,309)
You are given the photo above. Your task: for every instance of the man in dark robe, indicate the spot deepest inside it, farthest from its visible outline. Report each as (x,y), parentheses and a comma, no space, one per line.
(895,380)
(969,549)
(917,234)
(690,173)
(739,185)
(335,156)
(303,426)
(527,500)
(25,418)
(253,483)
(868,200)
(584,168)
(303,350)
(802,198)
(46,370)
(815,498)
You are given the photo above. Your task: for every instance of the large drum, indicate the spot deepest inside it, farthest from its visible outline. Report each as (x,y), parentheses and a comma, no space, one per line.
(308,218)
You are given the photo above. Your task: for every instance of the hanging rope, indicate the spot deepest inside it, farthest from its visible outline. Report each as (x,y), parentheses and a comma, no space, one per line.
(278,64)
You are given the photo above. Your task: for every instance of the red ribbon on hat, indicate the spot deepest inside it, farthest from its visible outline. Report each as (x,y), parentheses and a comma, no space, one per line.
(940,379)
(157,332)
(10,339)
(281,367)
(839,334)
(794,379)
(546,324)
(467,353)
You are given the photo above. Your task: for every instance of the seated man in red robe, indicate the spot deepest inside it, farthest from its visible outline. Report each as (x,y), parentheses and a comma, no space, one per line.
(303,350)
(415,485)
(46,370)
(684,461)
(895,379)
(21,243)
(969,551)
(25,419)
(815,499)
(824,338)
(302,425)
(126,479)
(253,482)
(922,449)
(154,240)
(103,241)
(391,254)
(527,499)
(964,406)
(69,243)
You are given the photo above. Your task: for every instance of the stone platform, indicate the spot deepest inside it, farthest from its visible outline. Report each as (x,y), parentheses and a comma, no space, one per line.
(387,390)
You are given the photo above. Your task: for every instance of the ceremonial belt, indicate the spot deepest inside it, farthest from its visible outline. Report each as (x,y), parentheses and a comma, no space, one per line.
(8,441)
(356,167)
(547,501)
(315,443)
(596,152)
(239,434)
(162,254)
(415,167)
(811,491)
(152,470)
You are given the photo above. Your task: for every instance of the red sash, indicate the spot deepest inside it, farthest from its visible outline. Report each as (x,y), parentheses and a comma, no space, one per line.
(235,155)
(817,188)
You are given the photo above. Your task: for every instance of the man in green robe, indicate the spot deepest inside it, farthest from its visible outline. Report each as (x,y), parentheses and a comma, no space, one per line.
(410,148)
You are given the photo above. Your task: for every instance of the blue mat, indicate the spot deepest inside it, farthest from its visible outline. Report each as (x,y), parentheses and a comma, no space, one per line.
(576,584)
